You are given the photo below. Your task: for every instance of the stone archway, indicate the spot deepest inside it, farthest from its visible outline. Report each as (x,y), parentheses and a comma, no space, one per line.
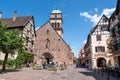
(47,57)
(101,62)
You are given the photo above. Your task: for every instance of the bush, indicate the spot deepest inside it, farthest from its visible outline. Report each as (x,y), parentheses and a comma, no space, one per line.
(20,59)
(1,62)
(10,63)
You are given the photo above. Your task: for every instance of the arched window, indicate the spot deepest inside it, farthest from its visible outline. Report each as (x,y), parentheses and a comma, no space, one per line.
(52,24)
(47,43)
(55,15)
(55,24)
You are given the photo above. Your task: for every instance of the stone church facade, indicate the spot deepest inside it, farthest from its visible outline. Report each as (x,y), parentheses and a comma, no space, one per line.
(49,44)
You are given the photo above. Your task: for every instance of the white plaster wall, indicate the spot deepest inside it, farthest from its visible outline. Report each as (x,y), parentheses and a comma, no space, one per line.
(95,43)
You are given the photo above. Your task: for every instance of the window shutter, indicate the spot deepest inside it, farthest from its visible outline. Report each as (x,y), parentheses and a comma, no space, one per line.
(95,49)
(103,49)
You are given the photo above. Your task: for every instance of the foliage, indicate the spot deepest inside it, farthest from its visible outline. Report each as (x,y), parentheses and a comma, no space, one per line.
(20,58)
(10,41)
(29,57)
(1,62)
(10,63)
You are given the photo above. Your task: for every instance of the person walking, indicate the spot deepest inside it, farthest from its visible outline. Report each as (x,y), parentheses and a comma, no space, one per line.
(56,68)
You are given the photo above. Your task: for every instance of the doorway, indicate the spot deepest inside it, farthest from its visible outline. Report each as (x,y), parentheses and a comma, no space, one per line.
(48,58)
(101,62)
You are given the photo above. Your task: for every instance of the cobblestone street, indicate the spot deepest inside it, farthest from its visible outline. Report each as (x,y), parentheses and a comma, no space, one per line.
(69,74)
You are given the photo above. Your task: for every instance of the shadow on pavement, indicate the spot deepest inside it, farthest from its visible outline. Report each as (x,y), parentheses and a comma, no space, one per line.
(90,73)
(10,70)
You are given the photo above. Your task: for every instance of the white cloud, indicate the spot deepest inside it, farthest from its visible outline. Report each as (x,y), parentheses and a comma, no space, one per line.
(37,28)
(84,41)
(108,12)
(95,17)
(96,9)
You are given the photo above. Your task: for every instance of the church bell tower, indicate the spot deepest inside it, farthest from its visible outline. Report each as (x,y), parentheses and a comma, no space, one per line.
(56,21)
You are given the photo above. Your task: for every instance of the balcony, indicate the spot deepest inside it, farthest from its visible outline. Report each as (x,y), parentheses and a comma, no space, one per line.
(114,21)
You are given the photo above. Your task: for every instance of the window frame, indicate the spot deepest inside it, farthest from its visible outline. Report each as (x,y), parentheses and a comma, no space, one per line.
(100,49)
(98,38)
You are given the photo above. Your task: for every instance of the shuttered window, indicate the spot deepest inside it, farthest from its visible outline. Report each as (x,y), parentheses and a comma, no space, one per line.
(99,49)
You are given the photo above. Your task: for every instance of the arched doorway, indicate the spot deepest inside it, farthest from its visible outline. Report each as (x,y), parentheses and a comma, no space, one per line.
(47,57)
(101,62)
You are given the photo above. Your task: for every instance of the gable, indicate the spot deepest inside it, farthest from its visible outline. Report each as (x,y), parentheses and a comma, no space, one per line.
(47,32)
(101,27)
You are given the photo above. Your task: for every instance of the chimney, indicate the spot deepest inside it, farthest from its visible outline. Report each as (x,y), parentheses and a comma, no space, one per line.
(0,15)
(14,16)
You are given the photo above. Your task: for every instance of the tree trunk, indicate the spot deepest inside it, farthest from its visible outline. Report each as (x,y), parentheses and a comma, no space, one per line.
(4,62)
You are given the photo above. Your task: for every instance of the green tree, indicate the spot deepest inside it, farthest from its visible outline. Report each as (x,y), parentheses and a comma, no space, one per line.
(10,41)
(20,58)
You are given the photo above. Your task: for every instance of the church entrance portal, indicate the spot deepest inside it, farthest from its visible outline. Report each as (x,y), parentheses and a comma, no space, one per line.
(47,58)
(101,62)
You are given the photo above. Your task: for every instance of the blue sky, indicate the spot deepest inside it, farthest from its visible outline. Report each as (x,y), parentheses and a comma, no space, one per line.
(79,16)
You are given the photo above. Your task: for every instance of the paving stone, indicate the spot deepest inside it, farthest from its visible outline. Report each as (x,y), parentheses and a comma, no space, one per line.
(69,74)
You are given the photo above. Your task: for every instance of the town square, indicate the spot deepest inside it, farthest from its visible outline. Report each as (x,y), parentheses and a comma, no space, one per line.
(60,40)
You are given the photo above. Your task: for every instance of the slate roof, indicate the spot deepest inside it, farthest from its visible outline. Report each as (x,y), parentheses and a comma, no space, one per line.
(18,22)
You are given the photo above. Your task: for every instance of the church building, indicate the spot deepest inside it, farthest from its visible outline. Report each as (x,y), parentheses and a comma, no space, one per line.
(49,44)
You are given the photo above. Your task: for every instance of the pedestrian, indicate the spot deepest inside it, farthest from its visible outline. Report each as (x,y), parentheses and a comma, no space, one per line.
(44,65)
(56,67)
